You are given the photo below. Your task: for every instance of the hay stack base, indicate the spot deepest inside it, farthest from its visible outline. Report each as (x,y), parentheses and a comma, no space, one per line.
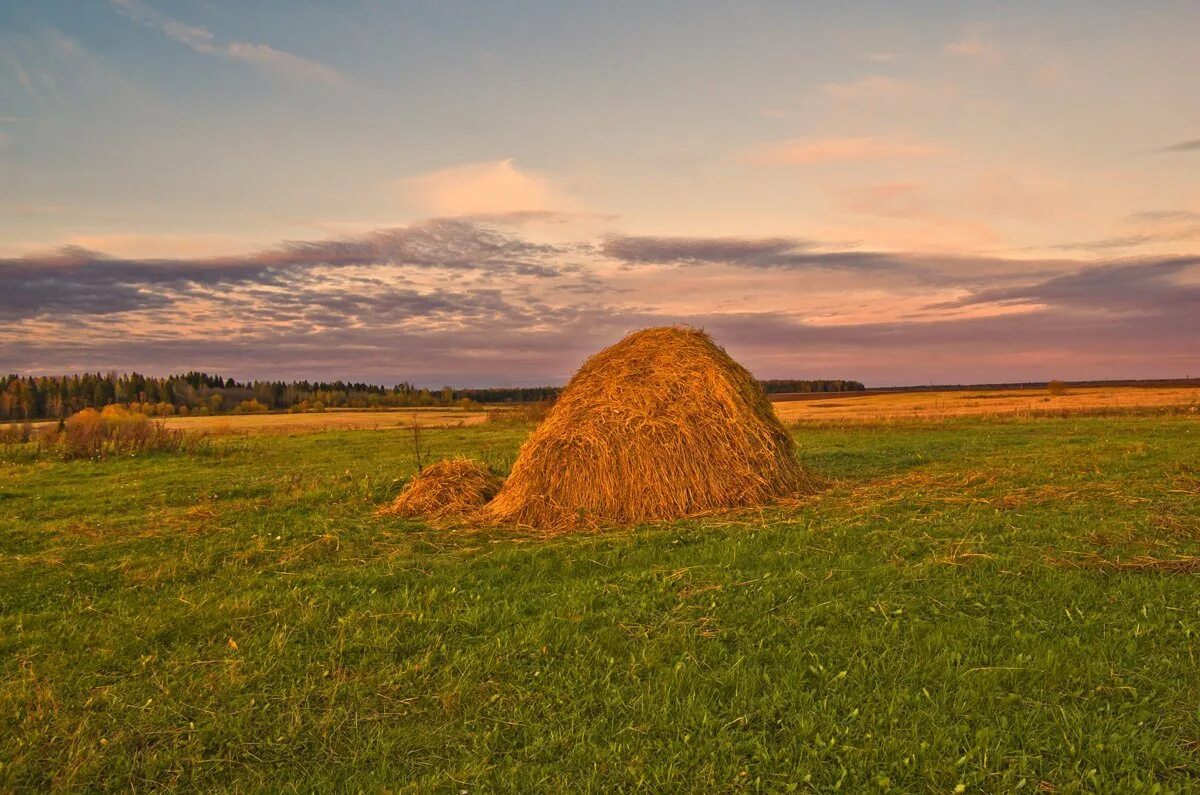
(662,425)
(446,490)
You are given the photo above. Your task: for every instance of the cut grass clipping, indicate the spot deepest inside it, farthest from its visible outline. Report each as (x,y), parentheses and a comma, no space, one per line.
(446,490)
(662,425)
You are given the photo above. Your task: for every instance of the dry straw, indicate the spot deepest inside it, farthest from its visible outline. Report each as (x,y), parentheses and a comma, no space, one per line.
(662,425)
(446,490)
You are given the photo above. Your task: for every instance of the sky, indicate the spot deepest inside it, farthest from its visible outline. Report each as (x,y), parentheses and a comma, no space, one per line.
(484,193)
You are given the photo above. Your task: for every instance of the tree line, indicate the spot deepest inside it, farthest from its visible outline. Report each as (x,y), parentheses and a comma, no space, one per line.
(776,386)
(59,396)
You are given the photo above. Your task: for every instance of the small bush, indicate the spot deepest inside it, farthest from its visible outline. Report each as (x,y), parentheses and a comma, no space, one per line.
(522,414)
(1057,387)
(114,431)
(249,407)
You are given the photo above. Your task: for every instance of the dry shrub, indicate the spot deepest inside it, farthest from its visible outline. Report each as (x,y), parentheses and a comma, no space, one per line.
(445,490)
(1057,387)
(523,414)
(16,433)
(662,425)
(113,431)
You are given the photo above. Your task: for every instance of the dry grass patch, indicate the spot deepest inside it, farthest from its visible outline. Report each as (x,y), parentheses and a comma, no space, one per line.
(1180,564)
(446,490)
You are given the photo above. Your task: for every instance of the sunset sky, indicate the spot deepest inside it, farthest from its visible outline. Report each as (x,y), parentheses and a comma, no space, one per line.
(484,193)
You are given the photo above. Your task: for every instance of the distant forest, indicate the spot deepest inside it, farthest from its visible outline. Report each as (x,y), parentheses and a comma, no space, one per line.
(51,397)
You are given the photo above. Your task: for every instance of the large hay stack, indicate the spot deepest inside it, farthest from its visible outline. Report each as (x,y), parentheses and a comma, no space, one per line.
(445,490)
(662,425)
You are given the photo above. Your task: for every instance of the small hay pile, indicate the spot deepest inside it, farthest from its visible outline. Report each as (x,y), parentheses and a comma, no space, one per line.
(445,490)
(662,425)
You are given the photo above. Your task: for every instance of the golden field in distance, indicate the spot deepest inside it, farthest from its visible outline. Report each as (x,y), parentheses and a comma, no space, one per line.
(334,419)
(327,420)
(892,406)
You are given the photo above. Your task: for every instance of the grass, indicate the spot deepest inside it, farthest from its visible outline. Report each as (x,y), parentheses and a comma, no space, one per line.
(954,611)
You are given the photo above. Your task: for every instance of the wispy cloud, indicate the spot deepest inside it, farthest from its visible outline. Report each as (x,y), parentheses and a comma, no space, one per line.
(202,40)
(1146,287)
(805,151)
(1183,146)
(972,47)
(769,253)
(1164,216)
(873,87)
(53,71)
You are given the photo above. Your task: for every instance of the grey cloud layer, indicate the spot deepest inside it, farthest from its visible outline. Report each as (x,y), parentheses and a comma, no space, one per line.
(767,253)
(1144,287)
(1183,146)
(75,280)
(466,302)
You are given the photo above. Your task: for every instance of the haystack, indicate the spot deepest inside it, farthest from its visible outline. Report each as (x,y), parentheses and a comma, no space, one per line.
(444,490)
(662,425)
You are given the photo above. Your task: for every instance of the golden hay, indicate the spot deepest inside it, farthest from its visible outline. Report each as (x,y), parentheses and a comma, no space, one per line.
(662,425)
(445,490)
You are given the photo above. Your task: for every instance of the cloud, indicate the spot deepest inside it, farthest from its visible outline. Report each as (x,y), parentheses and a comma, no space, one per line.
(202,40)
(806,151)
(769,253)
(875,87)
(55,71)
(972,47)
(475,303)
(1146,287)
(1148,228)
(492,187)
(1164,216)
(1183,146)
(78,280)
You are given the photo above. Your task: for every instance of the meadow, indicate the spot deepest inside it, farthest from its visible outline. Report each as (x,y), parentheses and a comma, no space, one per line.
(970,604)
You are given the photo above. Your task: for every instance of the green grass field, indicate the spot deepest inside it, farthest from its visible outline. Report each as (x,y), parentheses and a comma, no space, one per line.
(970,606)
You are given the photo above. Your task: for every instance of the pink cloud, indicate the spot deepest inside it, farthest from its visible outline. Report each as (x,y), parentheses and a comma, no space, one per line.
(491,187)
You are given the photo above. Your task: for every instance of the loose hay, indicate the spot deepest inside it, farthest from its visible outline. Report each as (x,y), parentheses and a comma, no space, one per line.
(662,425)
(446,489)
(1180,564)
